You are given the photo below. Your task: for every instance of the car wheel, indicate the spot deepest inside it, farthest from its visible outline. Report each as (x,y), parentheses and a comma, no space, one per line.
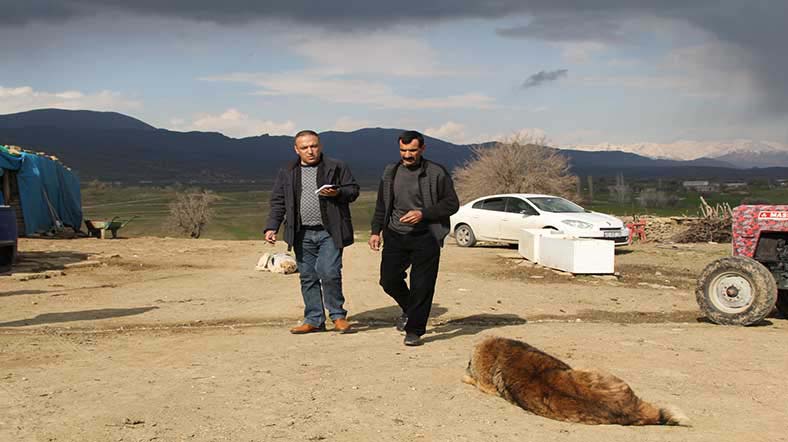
(464,236)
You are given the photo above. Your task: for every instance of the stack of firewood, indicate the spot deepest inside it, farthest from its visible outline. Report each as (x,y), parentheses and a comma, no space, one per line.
(713,225)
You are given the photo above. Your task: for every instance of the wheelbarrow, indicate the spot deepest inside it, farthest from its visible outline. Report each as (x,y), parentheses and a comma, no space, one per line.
(99,227)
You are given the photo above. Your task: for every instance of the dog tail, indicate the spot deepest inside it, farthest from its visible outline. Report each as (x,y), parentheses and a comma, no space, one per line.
(671,415)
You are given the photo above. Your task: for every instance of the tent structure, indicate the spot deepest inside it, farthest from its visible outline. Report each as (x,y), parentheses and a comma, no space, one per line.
(44,192)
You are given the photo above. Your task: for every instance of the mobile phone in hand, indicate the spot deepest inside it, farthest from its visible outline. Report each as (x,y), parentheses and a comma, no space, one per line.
(327,186)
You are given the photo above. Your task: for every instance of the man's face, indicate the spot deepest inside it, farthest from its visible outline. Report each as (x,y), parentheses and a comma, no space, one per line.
(411,152)
(308,148)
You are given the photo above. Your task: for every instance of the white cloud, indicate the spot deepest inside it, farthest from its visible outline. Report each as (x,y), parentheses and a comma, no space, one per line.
(234,123)
(352,69)
(348,124)
(581,52)
(457,133)
(639,81)
(450,131)
(350,91)
(372,54)
(19,99)
(711,70)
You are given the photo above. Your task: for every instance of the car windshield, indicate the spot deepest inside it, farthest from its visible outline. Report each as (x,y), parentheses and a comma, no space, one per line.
(555,204)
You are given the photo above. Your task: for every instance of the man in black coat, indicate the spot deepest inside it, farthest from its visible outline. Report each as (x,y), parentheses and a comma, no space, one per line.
(312,196)
(416,197)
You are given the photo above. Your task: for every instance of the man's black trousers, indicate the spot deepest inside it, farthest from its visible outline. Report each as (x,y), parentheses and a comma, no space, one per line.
(422,253)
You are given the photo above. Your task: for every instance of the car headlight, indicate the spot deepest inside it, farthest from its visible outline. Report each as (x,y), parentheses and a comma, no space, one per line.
(577,224)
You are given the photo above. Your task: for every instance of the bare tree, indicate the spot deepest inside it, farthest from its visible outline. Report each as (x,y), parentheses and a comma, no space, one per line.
(515,166)
(191,211)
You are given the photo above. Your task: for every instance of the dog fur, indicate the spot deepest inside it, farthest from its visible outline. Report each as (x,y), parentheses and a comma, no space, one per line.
(277,263)
(544,385)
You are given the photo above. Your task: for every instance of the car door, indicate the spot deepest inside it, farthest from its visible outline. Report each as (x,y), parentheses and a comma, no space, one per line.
(519,215)
(490,216)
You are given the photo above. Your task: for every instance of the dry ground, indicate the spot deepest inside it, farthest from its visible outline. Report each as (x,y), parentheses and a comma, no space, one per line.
(155,339)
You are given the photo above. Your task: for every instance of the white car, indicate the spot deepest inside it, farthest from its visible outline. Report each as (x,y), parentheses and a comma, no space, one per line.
(500,218)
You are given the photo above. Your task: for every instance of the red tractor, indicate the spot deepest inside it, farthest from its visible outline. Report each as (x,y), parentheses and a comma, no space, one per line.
(744,288)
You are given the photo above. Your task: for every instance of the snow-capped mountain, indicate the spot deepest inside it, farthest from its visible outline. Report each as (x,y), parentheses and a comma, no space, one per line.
(743,153)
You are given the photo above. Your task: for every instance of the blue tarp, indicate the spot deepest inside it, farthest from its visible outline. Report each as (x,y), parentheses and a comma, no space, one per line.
(48,192)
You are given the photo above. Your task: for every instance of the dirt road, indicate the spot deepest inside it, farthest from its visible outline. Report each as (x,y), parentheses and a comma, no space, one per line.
(167,340)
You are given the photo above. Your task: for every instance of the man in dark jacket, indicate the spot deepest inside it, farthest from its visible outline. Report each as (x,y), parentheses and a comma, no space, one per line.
(416,197)
(312,196)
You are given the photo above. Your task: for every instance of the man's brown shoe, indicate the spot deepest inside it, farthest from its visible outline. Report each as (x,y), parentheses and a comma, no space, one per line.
(341,325)
(306,328)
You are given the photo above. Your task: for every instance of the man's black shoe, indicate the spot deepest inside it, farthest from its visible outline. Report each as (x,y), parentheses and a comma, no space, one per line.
(412,339)
(401,321)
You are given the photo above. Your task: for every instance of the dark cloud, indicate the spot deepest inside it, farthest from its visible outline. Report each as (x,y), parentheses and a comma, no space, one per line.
(16,13)
(570,28)
(353,13)
(756,30)
(543,77)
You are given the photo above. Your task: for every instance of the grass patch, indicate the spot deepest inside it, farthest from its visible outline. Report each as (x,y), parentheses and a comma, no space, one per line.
(239,214)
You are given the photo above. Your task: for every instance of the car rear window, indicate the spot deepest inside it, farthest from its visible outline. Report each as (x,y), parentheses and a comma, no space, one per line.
(496,204)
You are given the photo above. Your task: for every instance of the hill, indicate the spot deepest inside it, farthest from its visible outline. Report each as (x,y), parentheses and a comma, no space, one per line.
(68,119)
(115,147)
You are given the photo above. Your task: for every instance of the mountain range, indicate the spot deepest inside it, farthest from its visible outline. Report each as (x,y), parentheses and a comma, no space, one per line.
(741,153)
(115,147)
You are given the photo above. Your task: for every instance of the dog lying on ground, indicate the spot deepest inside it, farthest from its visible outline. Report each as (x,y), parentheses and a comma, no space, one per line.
(277,263)
(543,385)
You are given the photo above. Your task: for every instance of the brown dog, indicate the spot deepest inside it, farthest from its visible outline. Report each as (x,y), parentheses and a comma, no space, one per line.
(541,384)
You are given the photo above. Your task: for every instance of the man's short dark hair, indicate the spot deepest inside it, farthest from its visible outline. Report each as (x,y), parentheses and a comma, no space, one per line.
(306,132)
(408,136)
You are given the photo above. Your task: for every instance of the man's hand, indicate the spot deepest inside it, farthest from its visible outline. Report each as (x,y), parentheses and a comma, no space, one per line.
(374,242)
(412,217)
(329,193)
(270,236)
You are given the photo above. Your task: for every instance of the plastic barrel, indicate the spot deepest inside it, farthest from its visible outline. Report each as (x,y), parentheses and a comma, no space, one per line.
(8,238)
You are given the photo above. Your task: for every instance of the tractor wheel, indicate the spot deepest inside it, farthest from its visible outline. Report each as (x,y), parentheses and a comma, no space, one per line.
(736,291)
(782,303)
(464,236)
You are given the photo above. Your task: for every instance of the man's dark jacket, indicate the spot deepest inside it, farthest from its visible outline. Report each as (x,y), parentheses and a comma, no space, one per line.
(437,192)
(335,212)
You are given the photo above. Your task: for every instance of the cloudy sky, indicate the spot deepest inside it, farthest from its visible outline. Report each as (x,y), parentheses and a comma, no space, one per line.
(465,71)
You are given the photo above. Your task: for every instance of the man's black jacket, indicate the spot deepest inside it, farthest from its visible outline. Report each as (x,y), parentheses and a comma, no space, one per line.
(437,192)
(335,212)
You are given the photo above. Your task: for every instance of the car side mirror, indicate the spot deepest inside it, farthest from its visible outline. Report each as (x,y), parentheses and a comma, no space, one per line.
(524,213)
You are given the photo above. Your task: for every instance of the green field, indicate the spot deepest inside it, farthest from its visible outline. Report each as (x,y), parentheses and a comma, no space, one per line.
(688,203)
(240,213)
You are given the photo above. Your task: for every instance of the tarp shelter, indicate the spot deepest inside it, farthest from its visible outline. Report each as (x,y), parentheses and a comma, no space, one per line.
(48,192)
